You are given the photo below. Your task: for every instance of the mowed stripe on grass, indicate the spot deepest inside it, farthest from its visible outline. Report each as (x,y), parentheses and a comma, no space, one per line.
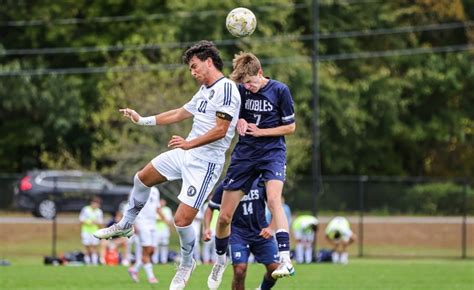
(360,274)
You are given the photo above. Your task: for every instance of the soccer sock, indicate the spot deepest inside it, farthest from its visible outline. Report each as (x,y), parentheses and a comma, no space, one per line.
(187,239)
(299,253)
(221,249)
(344,257)
(335,257)
(137,266)
(95,259)
(87,259)
(283,241)
(164,254)
(148,267)
(308,255)
(137,200)
(267,283)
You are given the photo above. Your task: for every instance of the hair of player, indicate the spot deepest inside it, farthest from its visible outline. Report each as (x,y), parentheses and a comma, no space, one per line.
(203,50)
(244,64)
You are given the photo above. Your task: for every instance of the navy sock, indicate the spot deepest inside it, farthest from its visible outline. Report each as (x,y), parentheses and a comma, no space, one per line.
(267,284)
(222,245)
(283,241)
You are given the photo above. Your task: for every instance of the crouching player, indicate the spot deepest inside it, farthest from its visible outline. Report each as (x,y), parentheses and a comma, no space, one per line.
(250,234)
(340,236)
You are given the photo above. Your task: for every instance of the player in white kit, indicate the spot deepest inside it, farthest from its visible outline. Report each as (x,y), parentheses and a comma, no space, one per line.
(145,228)
(197,160)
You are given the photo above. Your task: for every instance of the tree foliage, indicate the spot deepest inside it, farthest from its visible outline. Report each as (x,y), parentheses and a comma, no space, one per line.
(394,115)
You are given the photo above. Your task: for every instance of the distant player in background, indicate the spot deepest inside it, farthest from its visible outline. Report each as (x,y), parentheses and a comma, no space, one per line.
(145,228)
(163,229)
(197,160)
(91,218)
(266,116)
(340,236)
(304,229)
(251,234)
(115,243)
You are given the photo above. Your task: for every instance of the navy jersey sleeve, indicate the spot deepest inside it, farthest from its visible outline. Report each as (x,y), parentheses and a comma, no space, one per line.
(287,106)
(216,199)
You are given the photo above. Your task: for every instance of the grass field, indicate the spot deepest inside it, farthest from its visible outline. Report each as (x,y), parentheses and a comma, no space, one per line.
(360,274)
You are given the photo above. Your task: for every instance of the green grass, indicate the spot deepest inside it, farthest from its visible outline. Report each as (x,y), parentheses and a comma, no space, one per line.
(360,274)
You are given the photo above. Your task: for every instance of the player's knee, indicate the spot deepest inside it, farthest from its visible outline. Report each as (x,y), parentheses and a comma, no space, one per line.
(239,273)
(225,219)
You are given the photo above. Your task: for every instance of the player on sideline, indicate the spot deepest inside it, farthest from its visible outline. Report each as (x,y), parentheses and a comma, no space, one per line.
(250,234)
(266,116)
(145,225)
(197,160)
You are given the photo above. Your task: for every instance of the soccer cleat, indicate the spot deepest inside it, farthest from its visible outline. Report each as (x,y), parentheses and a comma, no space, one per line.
(134,275)
(285,269)
(181,277)
(113,231)
(152,280)
(215,278)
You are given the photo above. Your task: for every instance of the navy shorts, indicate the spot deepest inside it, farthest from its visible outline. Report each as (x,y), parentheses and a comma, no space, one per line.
(241,174)
(265,252)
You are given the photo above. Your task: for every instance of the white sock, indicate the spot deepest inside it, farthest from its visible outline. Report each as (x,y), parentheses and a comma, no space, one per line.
(285,256)
(164,254)
(87,259)
(137,200)
(335,257)
(299,253)
(148,267)
(221,259)
(187,239)
(344,257)
(137,266)
(95,259)
(308,253)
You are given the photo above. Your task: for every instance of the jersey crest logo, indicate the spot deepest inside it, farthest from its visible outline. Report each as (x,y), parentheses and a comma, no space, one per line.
(191,191)
(211,94)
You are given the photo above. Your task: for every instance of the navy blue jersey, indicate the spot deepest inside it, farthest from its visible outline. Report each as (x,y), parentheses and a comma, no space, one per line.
(249,217)
(272,106)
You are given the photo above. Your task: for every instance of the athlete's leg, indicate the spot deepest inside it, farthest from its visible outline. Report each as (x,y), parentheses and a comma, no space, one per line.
(268,281)
(274,189)
(143,180)
(240,272)
(229,203)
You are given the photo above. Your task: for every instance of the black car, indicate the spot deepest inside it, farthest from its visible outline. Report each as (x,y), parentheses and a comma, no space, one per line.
(46,192)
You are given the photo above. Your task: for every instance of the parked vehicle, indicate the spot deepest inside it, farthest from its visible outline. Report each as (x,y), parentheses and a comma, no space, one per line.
(46,192)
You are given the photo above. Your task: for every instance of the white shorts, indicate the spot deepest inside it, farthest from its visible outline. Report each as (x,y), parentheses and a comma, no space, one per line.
(147,235)
(302,236)
(89,239)
(199,176)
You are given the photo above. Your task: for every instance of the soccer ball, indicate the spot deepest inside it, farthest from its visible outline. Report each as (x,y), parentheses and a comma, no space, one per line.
(241,22)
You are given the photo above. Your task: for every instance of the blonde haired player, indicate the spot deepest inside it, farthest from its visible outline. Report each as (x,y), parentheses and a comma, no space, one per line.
(266,116)
(340,236)
(197,160)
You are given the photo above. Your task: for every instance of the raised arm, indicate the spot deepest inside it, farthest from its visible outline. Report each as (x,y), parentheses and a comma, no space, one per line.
(165,118)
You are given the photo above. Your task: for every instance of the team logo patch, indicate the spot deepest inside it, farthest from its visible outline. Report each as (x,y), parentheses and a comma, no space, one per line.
(192,191)
(211,94)
(238,255)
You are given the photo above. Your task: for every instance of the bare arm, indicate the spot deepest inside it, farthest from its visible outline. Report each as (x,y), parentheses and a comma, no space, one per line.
(165,118)
(207,224)
(283,130)
(219,131)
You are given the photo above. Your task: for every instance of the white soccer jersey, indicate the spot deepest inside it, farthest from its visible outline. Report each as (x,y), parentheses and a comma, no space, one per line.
(221,97)
(148,213)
